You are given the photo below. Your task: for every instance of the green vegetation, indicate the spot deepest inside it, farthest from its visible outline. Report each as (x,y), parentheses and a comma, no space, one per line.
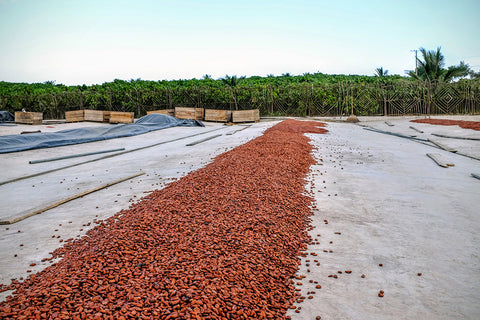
(290,95)
(474,75)
(232,83)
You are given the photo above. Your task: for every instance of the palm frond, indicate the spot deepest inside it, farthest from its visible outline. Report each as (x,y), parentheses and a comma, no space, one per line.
(379,72)
(232,81)
(431,67)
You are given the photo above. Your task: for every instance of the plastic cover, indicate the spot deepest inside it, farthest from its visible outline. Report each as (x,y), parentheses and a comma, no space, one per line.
(151,122)
(6,116)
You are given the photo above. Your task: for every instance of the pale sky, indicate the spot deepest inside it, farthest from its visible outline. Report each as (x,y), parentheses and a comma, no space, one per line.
(96,41)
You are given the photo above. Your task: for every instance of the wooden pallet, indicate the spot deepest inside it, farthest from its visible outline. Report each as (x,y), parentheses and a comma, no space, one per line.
(218,115)
(106,116)
(121,117)
(94,115)
(87,115)
(28,117)
(246,116)
(168,112)
(189,113)
(74,116)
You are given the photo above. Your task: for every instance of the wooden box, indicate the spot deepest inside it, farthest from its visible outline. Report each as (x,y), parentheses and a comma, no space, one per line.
(189,113)
(121,117)
(74,116)
(246,116)
(168,112)
(218,115)
(28,117)
(93,115)
(106,116)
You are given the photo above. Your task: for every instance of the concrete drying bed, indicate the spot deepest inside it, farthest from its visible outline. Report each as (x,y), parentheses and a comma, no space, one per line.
(393,206)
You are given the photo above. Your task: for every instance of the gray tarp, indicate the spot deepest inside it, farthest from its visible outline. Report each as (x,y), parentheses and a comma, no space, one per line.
(6,116)
(151,122)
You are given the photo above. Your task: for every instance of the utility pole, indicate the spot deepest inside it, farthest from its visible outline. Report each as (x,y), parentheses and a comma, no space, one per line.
(416,61)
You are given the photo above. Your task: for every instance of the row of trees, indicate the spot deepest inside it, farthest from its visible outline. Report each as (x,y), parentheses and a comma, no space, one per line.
(287,94)
(7,88)
(290,100)
(138,95)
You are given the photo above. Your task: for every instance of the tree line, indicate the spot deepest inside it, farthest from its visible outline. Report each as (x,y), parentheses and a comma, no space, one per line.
(306,94)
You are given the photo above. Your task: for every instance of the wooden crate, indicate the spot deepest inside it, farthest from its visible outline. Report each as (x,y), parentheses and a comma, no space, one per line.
(106,116)
(218,115)
(189,113)
(28,117)
(168,112)
(93,115)
(74,116)
(246,116)
(121,117)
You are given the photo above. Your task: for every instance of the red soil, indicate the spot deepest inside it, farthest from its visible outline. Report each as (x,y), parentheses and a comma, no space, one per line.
(475,125)
(221,243)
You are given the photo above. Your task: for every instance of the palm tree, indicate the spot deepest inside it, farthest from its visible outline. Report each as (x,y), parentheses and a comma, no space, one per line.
(231,83)
(474,75)
(379,72)
(432,68)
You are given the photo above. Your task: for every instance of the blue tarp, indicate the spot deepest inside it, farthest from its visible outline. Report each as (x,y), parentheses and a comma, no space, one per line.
(151,122)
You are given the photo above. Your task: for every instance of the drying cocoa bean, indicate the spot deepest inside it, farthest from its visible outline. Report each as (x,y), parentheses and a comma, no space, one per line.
(221,242)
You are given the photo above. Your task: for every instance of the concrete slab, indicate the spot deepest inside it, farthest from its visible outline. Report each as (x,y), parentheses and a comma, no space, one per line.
(387,203)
